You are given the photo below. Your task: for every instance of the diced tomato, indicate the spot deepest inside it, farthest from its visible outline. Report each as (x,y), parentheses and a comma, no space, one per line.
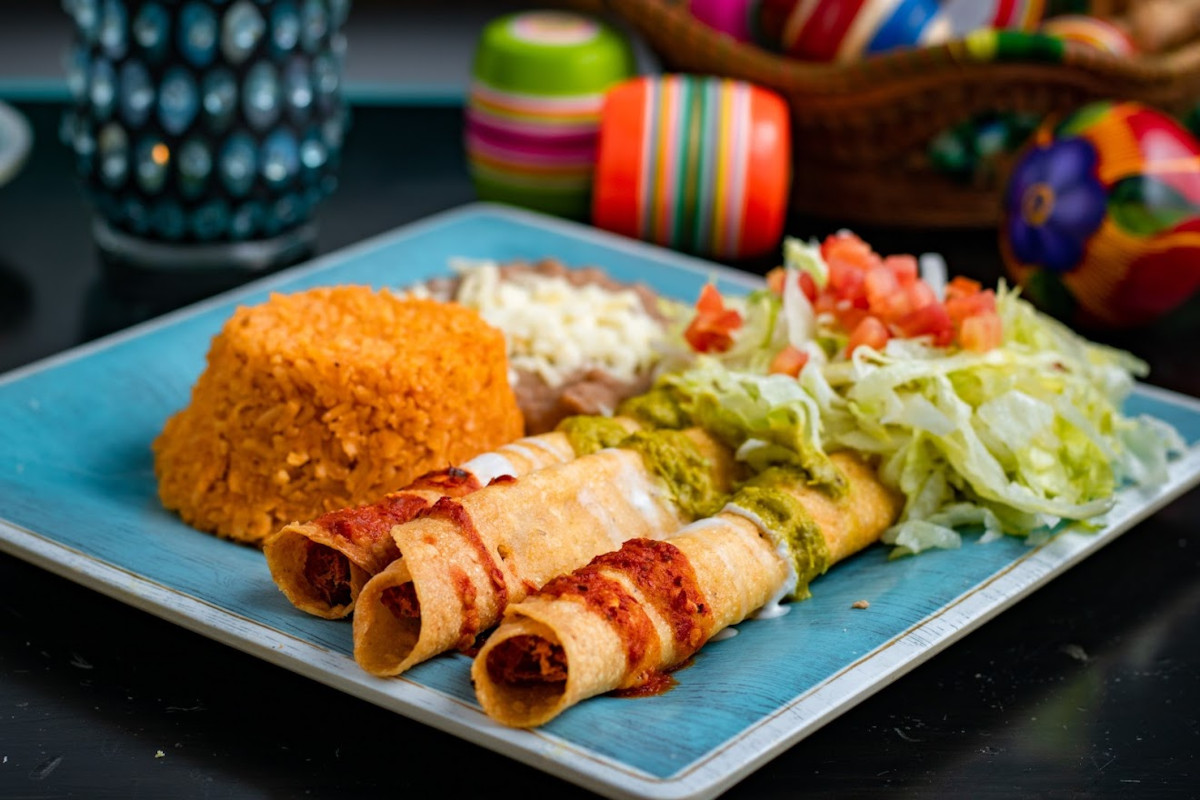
(711,330)
(845,279)
(870,332)
(808,286)
(961,307)
(710,300)
(789,361)
(849,315)
(712,334)
(826,303)
(981,332)
(930,319)
(920,294)
(903,267)
(777,277)
(882,289)
(962,286)
(847,249)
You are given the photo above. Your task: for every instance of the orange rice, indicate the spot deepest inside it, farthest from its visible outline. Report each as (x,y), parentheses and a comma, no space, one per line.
(327,398)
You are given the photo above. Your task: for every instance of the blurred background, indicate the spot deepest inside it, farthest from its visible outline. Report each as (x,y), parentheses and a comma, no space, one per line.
(911,142)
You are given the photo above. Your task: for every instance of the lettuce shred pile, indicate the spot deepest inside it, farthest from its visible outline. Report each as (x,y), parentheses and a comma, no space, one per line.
(1014,440)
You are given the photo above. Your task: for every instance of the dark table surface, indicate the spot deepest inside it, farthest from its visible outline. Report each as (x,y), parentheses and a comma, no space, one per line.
(1090,687)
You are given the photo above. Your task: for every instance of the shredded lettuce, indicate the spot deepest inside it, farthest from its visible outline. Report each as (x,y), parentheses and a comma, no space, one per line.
(1018,438)
(806,257)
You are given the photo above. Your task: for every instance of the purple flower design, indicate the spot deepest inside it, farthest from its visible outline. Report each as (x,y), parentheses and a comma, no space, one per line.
(1054,204)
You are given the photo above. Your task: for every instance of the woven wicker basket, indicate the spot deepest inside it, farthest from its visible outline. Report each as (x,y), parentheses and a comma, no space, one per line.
(862,130)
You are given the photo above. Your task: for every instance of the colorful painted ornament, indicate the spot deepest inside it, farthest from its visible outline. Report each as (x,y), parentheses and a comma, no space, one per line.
(845,30)
(971,15)
(1101,222)
(1100,34)
(700,164)
(533,112)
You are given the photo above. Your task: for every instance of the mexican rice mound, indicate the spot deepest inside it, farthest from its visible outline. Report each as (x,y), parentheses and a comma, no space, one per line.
(328,398)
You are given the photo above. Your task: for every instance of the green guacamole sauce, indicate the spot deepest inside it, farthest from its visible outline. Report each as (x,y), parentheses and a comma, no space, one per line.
(669,454)
(786,517)
(657,408)
(676,459)
(589,434)
(688,473)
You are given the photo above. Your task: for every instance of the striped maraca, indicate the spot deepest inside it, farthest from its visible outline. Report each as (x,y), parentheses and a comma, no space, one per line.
(844,30)
(700,164)
(534,108)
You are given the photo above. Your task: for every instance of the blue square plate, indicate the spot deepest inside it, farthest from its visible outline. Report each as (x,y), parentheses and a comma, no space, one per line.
(78,497)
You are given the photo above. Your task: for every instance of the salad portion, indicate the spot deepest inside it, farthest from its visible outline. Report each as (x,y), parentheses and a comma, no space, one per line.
(981,410)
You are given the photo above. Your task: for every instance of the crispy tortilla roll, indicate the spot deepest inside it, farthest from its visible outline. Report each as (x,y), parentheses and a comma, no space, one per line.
(321,565)
(629,616)
(465,560)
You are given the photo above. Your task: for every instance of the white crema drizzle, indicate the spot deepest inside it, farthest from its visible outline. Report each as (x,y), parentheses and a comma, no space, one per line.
(774,607)
(486,467)
(635,490)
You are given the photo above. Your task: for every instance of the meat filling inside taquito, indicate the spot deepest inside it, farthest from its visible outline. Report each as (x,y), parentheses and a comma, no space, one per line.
(321,565)
(629,616)
(465,560)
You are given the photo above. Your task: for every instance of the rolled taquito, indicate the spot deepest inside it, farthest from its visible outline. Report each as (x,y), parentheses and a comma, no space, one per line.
(628,617)
(463,561)
(321,565)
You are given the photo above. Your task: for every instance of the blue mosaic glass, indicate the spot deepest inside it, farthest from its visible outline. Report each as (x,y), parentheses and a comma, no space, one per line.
(113,149)
(205,120)
(337,46)
(333,131)
(261,95)
(285,212)
(114,29)
(220,95)
(87,18)
(195,166)
(285,26)
(84,145)
(77,72)
(246,221)
(151,28)
(241,31)
(326,77)
(168,221)
(238,164)
(198,32)
(298,87)
(280,159)
(102,89)
(135,215)
(210,220)
(178,100)
(137,93)
(67,127)
(314,24)
(152,161)
(313,153)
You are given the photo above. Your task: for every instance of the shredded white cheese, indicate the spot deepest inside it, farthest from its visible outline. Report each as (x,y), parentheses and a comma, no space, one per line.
(556,329)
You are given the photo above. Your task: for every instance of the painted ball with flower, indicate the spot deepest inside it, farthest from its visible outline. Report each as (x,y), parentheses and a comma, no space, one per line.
(1101,217)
